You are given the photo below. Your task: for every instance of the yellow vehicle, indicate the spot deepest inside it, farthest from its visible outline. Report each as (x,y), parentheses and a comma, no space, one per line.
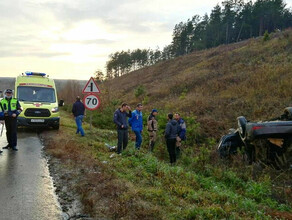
(37,96)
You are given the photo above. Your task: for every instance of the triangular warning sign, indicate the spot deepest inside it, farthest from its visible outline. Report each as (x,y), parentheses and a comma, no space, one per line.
(91,87)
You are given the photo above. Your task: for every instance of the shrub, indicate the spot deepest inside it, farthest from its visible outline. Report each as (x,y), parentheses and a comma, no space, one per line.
(139,91)
(266,36)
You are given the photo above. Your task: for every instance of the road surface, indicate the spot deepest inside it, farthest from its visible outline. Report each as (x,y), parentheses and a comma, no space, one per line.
(26,188)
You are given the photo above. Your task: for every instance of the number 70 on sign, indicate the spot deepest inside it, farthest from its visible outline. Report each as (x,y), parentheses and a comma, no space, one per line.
(91,101)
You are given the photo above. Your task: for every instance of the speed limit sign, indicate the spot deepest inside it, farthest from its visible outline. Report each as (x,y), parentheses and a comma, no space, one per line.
(91,102)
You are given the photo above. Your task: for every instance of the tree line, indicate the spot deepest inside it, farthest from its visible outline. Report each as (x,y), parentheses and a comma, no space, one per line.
(233,21)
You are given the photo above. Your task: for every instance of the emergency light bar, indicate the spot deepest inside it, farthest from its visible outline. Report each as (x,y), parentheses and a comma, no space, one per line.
(29,73)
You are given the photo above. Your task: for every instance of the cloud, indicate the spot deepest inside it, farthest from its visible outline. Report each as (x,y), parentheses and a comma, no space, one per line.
(80,34)
(28,53)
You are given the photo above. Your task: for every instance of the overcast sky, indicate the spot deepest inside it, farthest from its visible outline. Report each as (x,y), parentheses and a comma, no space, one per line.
(72,39)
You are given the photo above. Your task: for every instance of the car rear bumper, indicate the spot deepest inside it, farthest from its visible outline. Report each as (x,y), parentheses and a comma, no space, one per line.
(38,122)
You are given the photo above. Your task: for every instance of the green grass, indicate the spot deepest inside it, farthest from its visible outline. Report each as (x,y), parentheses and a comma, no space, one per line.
(210,89)
(196,188)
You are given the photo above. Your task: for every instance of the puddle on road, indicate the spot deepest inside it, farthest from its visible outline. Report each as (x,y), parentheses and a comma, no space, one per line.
(27,190)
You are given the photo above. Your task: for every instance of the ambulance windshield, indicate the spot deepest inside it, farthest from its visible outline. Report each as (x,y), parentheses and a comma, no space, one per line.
(36,94)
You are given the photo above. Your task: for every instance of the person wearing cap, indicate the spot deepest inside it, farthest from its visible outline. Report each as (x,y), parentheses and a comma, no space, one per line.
(136,122)
(78,110)
(12,109)
(152,126)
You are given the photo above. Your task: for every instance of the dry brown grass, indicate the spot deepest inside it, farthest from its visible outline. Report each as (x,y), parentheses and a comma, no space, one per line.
(102,194)
(250,78)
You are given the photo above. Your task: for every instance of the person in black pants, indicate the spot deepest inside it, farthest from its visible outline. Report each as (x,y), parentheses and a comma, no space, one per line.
(120,119)
(171,132)
(1,120)
(11,109)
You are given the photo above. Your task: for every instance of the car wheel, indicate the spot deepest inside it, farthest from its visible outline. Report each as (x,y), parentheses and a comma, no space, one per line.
(288,113)
(241,121)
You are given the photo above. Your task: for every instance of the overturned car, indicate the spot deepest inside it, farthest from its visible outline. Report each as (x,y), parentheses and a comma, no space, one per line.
(269,141)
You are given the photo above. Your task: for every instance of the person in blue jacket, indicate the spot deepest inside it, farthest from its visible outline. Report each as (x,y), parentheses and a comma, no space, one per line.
(136,122)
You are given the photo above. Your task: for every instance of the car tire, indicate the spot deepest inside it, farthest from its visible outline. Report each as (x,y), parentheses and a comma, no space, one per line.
(288,113)
(241,121)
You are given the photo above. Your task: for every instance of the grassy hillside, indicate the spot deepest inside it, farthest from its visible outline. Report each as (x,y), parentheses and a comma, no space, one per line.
(142,185)
(210,88)
(251,78)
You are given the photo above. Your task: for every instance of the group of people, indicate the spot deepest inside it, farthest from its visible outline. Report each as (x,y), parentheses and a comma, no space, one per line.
(175,130)
(9,110)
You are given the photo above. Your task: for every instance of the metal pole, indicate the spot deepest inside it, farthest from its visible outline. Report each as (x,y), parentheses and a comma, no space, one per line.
(90,120)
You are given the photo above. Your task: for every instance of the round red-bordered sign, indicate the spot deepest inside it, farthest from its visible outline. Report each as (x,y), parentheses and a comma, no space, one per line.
(91,101)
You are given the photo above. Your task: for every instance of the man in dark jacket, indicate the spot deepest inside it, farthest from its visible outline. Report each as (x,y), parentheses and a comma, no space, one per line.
(11,109)
(171,132)
(78,110)
(120,119)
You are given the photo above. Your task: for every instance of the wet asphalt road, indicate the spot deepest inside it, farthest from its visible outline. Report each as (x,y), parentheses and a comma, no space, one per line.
(26,189)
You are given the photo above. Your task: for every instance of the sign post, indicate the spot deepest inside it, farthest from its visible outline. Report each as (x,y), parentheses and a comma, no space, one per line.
(91,100)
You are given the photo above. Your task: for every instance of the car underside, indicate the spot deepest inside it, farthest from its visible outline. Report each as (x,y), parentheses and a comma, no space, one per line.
(269,142)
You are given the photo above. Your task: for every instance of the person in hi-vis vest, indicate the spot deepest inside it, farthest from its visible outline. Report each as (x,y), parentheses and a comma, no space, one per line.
(1,121)
(11,108)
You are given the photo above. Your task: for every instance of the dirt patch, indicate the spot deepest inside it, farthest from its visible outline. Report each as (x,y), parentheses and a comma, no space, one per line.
(86,187)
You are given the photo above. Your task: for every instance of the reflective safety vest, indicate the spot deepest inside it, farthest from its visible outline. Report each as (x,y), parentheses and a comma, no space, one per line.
(1,113)
(12,102)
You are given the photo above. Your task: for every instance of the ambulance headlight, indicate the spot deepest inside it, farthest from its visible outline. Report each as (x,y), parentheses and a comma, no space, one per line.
(54,110)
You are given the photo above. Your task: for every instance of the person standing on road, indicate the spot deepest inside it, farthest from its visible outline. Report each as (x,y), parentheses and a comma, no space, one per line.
(182,132)
(1,121)
(120,119)
(171,132)
(136,122)
(152,126)
(12,109)
(78,111)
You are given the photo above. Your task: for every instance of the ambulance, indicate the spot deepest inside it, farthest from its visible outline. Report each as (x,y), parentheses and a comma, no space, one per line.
(37,95)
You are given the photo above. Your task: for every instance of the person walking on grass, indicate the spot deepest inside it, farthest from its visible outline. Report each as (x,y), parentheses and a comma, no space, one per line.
(136,122)
(78,111)
(182,133)
(120,119)
(152,126)
(171,132)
